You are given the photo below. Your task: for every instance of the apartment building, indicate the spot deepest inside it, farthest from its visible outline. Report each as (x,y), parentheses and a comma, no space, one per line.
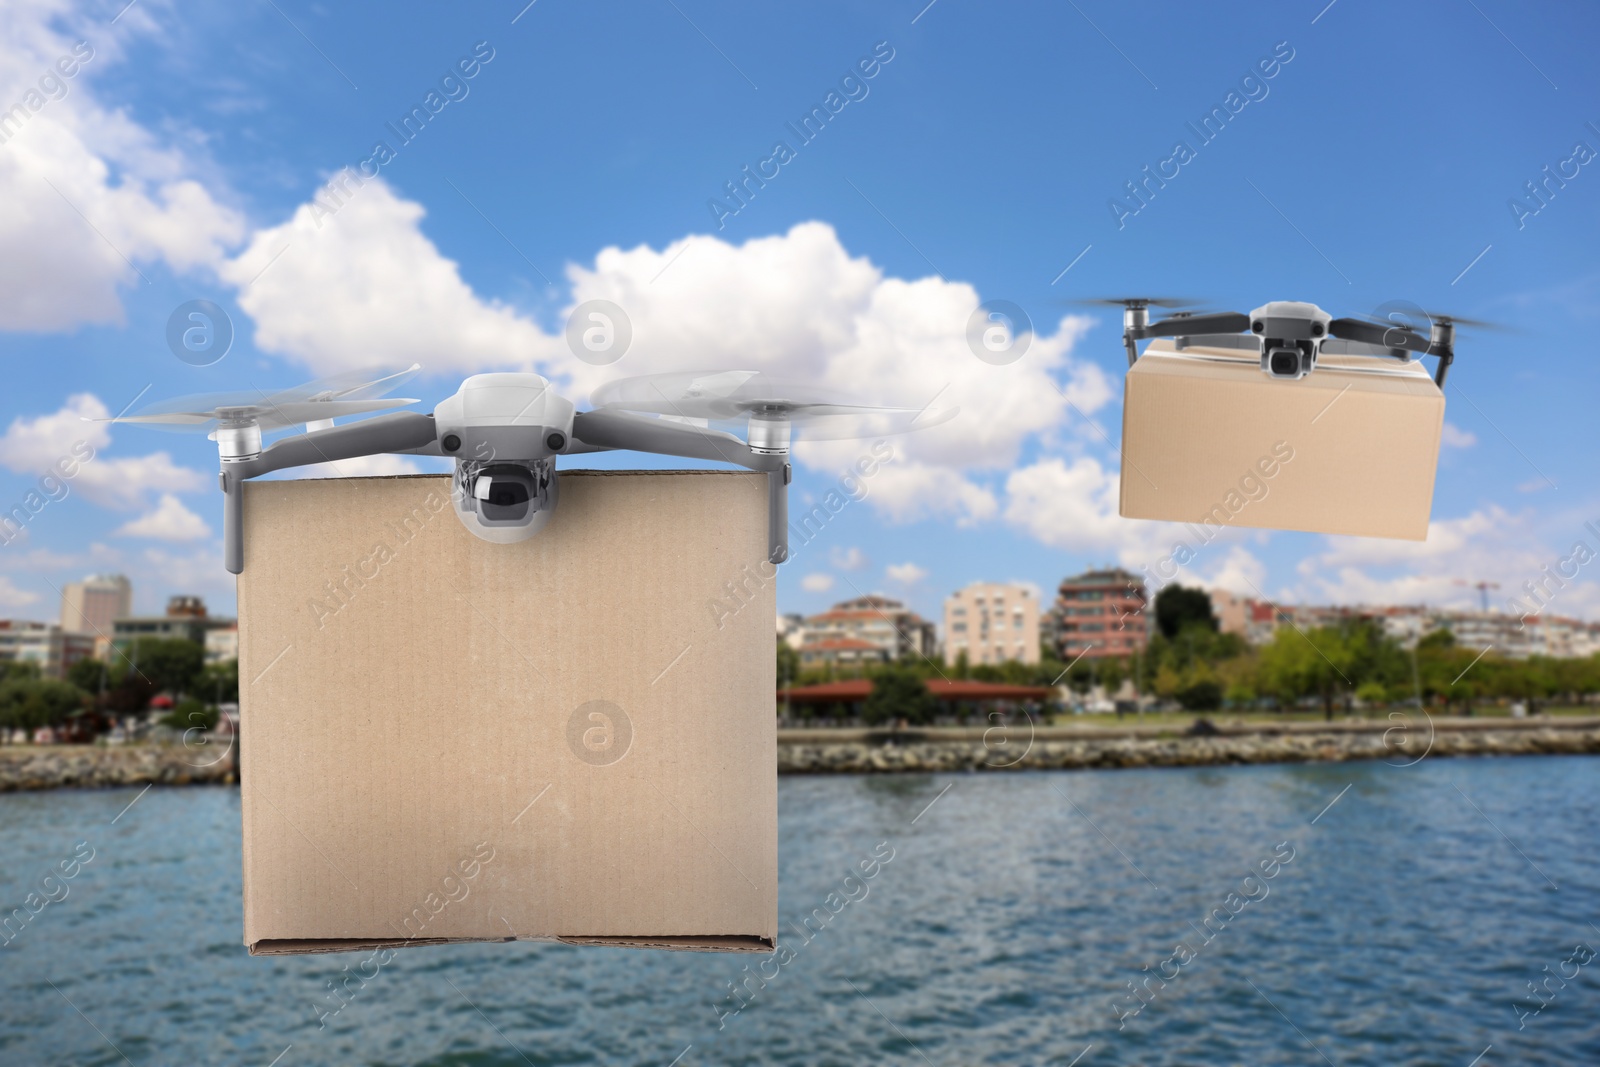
(992,623)
(44,644)
(90,606)
(1102,615)
(869,629)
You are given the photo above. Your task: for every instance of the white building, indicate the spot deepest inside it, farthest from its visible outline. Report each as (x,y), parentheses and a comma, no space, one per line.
(90,606)
(992,623)
(222,644)
(44,644)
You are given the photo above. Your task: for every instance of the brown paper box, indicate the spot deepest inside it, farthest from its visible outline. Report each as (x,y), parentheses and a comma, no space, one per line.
(1208,439)
(421,756)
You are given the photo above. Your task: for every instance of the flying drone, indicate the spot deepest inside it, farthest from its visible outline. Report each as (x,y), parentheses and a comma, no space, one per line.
(505,432)
(1289,335)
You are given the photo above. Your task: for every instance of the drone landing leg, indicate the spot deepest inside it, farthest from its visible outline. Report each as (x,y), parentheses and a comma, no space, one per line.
(778,514)
(232,522)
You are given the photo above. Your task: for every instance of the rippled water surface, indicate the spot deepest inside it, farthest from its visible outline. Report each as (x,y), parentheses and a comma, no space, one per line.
(1006,929)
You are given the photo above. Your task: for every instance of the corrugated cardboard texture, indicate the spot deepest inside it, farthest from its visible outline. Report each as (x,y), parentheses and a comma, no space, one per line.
(421,756)
(1205,433)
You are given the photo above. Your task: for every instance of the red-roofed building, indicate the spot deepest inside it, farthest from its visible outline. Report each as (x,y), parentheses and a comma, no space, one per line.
(867,630)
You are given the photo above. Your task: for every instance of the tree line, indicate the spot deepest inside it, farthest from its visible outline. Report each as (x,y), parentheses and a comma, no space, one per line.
(95,692)
(1190,662)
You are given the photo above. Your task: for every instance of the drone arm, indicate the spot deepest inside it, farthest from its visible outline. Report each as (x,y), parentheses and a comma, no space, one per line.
(398,432)
(1392,337)
(1221,323)
(1193,326)
(640,433)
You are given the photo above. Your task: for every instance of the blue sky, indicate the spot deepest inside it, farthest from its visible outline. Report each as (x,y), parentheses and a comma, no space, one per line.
(977,162)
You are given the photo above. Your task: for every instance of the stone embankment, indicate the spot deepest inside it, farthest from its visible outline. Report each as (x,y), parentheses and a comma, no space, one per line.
(92,766)
(833,751)
(1066,747)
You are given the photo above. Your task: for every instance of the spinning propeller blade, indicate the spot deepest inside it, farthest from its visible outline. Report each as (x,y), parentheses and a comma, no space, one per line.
(351,393)
(740,395)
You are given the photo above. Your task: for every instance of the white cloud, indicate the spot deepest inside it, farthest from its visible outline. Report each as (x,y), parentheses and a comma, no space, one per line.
(367,281)
(169,521)
(817,583)
(62,439)
(847,559)
(73,212)
(1238,572)
(12,597)
(1453,436)
(797,305)
(1487,545)
(907,573)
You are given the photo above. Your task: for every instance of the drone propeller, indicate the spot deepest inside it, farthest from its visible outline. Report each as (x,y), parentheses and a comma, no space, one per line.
(1132,302)
(769,406)
(1450,320)
(351,393)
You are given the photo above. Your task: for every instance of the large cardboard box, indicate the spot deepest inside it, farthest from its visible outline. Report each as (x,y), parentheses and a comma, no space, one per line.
(569,738)
(1208,439)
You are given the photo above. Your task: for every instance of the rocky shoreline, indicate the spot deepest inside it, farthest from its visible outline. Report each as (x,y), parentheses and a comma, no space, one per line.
(845,751)
(107,766)
(1056,748)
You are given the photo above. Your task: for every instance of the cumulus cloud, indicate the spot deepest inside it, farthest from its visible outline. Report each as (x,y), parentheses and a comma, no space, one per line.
(39,445)
(907,573)
(1238,572)
(168,521)
(13,597)
(334,292)
(1514,550)
(1453,436)
(817,583)
(79,219)
(847,559)
(796,305)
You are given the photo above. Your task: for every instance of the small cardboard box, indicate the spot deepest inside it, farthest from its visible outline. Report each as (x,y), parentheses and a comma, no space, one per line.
(569,738)
(1208,439)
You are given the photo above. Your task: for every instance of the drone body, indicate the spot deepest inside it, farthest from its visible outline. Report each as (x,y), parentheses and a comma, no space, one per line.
(506,431)
(1289,335)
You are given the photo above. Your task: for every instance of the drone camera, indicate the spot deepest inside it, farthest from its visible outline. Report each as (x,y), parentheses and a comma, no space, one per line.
(1290,360)
(504,502)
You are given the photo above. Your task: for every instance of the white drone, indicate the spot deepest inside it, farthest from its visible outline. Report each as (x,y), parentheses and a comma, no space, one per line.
(506,430)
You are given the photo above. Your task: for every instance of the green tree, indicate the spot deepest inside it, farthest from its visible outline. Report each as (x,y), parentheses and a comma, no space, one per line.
(90,675)
(191,714)
(30,703)
(1178,606)
(899,693)
(170,663)
(1199,689)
